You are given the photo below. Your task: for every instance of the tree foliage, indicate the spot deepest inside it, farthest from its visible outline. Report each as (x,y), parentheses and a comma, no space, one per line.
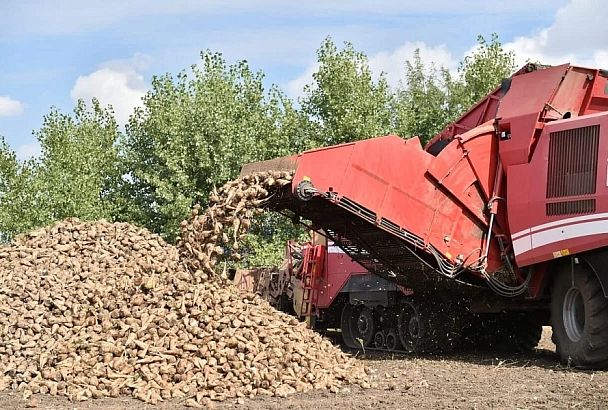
(421,106)
(432,97)
(79,162)
(343,102)
(75,176)
(481,72)
(195,131)
(14,194)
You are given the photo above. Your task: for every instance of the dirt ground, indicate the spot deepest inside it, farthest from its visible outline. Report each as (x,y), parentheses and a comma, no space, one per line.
(458,381)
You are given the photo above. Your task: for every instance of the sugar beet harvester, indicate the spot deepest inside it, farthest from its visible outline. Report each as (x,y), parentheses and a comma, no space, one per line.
(506,210)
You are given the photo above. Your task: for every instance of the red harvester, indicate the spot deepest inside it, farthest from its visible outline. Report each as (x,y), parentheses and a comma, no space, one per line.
(503,215)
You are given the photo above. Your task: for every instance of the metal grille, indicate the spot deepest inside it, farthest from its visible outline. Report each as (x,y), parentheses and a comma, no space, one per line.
(573,162)
(583,206)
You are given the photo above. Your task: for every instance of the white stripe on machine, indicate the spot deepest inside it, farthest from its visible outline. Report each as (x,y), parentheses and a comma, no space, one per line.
(535,239)
(567,221)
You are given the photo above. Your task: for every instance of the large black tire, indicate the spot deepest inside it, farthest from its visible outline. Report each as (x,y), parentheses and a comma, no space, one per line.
(579,317)
(504,332)
(357,326)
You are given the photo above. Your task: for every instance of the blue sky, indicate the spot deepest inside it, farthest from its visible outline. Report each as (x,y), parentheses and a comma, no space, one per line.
(54,52)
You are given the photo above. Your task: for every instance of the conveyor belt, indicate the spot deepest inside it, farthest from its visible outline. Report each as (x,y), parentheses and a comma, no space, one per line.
(379,247)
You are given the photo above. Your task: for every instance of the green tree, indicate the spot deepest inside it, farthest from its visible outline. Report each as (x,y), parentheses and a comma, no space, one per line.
(9,167)
(421,105)
(13,209)
(195,131)
(432,97)
(20,203)
(79,162)
(481,72)
(344,103)
(76,175)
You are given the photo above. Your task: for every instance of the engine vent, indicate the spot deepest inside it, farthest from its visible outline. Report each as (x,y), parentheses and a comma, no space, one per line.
(572,162)
(582,206)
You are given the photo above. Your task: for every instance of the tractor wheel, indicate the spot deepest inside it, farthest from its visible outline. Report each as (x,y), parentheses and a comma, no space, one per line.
(579,317)
(357,326)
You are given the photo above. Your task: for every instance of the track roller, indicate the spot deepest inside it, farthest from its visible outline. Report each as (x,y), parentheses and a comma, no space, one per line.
(379,340)
(392,341)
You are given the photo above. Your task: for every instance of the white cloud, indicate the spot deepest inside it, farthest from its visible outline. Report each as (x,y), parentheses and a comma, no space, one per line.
(601,58)
(138,62)
(10,107)
(27,151)
(577,35)
(393,63)
(118,83)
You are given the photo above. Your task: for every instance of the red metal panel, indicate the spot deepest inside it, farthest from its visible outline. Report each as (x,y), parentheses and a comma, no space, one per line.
(389,177)
(327,164)
(482,153)
(451,169)
(597,99)
(376,168)
(571,93)
(529,93)
(520,110)
(339,267)
(539,237)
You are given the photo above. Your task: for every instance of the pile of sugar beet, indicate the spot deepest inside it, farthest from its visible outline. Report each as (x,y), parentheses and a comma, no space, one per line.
(99,309)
